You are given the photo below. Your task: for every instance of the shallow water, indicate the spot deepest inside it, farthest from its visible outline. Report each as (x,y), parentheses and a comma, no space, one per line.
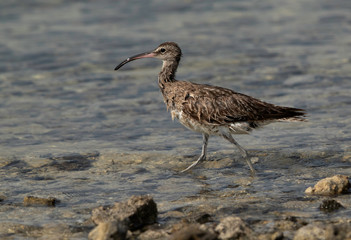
(74,129)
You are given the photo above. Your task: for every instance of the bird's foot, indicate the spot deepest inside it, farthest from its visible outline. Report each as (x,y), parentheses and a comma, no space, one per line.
(248,160)
(201,158)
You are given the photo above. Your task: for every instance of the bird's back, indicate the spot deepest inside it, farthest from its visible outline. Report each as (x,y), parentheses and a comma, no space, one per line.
(210,107)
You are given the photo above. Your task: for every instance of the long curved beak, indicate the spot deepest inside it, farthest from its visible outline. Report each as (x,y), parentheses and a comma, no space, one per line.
(138,56)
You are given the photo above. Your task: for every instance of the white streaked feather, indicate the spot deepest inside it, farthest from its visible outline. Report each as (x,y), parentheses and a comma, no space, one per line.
(231,128)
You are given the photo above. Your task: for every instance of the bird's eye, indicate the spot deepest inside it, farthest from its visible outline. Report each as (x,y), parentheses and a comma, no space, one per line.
(162,50)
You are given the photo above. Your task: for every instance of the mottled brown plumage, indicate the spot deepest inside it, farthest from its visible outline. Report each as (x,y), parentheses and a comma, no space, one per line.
(209,109)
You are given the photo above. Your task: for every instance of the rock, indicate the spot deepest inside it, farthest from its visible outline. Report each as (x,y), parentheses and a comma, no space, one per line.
(290,223)
(13,230)
(30,200)
(341,231)
(113,230)
(51,230)
(330,205)
(311,232)
(346,158)
(319,231)
(114,222)
(55,230)
(101,215)
(154,235)
(272,236)
(330,186)
(277,236)
(309,190)
(37,162)
(200,218)
(204,218)
(136,212)
(233,228)
(194,232)
(2,198)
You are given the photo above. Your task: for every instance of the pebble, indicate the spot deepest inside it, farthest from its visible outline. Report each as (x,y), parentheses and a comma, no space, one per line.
(337,184)
(31,200)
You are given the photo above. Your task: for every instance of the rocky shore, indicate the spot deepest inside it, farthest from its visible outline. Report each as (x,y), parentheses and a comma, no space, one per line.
(139,218)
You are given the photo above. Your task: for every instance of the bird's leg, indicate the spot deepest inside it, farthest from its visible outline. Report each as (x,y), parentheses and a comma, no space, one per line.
(203,152)
(242,150)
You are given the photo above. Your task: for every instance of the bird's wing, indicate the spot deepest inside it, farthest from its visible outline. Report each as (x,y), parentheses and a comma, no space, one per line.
(218,106)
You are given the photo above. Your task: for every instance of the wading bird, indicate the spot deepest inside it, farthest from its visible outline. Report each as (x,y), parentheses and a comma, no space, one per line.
(212,110)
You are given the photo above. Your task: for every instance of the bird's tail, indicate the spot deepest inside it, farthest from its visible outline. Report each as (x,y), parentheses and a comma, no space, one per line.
(293,115)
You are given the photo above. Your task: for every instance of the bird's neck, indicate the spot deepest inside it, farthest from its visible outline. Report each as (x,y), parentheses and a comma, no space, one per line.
(167,73)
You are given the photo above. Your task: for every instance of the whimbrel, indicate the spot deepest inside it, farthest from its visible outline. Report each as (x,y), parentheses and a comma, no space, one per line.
(212,110)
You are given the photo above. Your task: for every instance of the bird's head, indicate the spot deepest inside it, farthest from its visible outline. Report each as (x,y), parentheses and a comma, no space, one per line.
(167,51)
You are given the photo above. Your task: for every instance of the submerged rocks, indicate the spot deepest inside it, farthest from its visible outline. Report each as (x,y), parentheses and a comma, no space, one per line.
(330,186)
(113,222)
(330,205)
